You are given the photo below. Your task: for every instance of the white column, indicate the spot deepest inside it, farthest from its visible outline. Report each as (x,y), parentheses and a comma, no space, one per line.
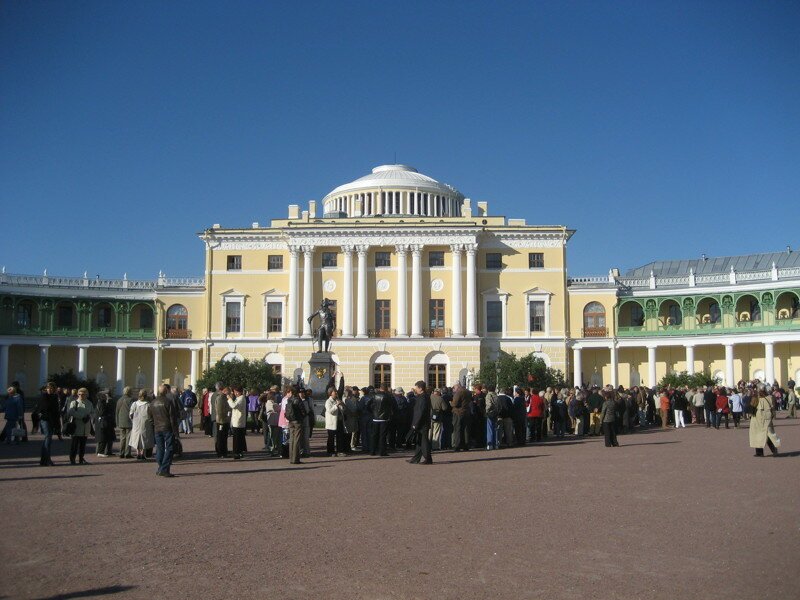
(156,369)
(651,366)
(416,291)
(472,312)
(347,309)
(120,383)
(457,311)
(83,355)
(769,360)
(729,382)
(614,366)
(308,288)
(402,277)
(3,368)
(361,316)
(690,360)
(577,367)
(294,299)
(194,368)
(44,349)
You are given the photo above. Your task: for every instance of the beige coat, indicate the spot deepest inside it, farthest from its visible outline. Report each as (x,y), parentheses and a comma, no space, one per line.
(80,409)
(238,412)
(761,426)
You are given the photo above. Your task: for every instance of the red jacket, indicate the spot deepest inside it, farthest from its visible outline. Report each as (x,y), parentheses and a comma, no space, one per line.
(536,407)
(722,402)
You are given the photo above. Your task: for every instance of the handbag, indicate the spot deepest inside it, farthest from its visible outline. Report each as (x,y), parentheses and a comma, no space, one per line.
(18,432)
(69,428)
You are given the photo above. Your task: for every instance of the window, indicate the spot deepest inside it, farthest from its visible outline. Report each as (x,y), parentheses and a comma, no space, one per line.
(277,370)
(64,316)
(436,313)
(755,310)
(382,375)
(536,315)
(104,316)
(594,318)
(494,260)
(637,315)
(494,316)
(383,317)
(328,259)
(177,318)
(233,317)
(714,314)
(436,258)
(383,259)
(275,262)
(674,315)
(234,262)
(437,376)
(274,317)
(24,314)
(535,260)
(146,318)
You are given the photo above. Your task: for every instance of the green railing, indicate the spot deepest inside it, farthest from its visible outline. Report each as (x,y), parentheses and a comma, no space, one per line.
(133,334)
(706,328)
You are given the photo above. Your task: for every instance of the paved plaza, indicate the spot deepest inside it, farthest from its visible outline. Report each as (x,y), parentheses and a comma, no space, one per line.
(669,514)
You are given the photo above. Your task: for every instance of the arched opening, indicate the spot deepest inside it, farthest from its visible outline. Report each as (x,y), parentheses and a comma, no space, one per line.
(177,322)
(382,364)
(436,366)
(631,314)
(594,320)
(142,317)
(787,306)
(65,317)
(103,316)
(708,312)
(275,360)
(232,356)
(748,308)
(26,315)
(669,314)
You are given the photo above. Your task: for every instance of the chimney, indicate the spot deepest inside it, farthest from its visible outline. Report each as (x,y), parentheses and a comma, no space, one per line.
(312,209)
(483,208)
(294,211)
(466,208)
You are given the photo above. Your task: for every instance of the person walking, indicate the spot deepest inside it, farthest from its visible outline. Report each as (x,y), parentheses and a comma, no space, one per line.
(296,415)
(460,404)
(222,414)
(188,402)
(722,408)
(124,423)
(142,435)
(106,414)
(49,416)
(607,418)
(420,425)
(81,411)
(14,413)
(237,403)
(161,412)
(679,407)
(762,429)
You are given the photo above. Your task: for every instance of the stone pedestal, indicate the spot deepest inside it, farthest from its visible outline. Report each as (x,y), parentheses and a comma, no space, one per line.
(322,369)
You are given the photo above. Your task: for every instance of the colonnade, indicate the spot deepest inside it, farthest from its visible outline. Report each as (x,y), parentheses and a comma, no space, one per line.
(729,376)
(345,312)
(395,202)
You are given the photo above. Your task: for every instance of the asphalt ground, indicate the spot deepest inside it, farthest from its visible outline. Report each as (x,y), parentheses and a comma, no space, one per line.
(669,514)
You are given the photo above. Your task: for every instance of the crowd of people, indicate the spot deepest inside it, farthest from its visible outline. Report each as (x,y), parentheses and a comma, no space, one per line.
(379,420)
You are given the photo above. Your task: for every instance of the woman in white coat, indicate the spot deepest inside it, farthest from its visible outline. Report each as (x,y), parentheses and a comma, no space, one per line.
(762,431)
(142,437)
(334,424)
(238,404)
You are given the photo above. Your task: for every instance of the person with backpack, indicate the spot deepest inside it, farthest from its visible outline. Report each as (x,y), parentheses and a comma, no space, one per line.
(505,418)
(296,414)
(492,412)
(188,402)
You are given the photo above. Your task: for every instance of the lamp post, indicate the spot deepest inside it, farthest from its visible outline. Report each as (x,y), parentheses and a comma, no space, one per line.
(497,375)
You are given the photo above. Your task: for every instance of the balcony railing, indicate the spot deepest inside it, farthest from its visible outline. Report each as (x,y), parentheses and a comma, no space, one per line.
(595,332)
(178,334)
(381,333)
(437,333)
(136,334)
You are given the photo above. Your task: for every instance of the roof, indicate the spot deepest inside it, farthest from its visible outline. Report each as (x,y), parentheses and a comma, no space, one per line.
(398,177)
(720,264)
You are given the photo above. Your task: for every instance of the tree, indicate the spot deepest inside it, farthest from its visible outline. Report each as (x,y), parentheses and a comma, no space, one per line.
(254,374)
(69,380)
(684,379)
(527,371)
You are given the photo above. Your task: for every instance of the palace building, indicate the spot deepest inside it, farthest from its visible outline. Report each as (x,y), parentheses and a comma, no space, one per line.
(425,283)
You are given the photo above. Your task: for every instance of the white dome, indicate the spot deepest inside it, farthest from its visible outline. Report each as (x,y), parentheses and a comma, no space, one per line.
(398,177)
(393,190)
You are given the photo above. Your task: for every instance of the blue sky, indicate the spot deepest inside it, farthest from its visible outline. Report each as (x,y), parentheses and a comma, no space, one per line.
(656,129)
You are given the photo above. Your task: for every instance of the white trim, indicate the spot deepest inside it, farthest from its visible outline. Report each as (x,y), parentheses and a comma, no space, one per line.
(540,295)
(495,295)
(233,297)
(274,296)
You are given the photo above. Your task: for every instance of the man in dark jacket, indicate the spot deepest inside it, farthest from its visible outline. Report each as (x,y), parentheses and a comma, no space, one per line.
(462,407)
(519,417)
(106,415)
(161,411)
(421,425)
(710,404)
(382,410)
(595,404)
(48,411)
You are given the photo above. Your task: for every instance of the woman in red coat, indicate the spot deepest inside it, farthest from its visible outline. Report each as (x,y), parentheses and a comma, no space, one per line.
(535,416)
(723,408)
